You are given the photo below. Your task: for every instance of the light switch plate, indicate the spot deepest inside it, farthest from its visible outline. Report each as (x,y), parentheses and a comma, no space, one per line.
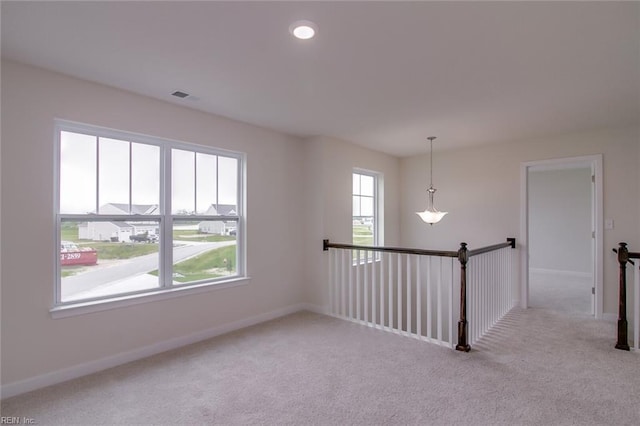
(608,224)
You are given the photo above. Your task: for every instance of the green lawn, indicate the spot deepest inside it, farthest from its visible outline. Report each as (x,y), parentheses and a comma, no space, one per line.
(69,232)
(362,235)
(194,235)
(206,265)
(120,250)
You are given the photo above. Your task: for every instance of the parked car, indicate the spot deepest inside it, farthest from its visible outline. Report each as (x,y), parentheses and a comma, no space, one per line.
(144,238)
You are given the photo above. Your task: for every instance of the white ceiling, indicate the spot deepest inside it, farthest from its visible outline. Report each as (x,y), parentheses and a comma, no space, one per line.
(380,74)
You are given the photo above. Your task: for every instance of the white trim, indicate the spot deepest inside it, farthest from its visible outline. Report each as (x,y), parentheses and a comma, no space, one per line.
(593,161)
(576,274)
(69,373)
(162,293)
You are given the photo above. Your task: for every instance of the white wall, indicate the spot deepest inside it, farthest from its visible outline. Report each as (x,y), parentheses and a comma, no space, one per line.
(480,187)
(330,166)
(560,220)
(32,342)
(297,191)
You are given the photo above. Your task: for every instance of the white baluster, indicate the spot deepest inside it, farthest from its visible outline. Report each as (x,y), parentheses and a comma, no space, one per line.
(374,312)
(409,328)
(419,296)
(383,257)
(332,279)
(439,297)
(452,320)
(429,301)
(358,317)
(345,263)
(636,305)
(365,284)
(391,257)
(399,298)
(350,299)
(473,269)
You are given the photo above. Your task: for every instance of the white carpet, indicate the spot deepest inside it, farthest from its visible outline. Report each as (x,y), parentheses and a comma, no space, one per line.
(537,367)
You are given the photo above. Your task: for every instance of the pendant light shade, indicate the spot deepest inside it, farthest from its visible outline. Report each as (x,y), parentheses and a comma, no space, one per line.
(431,215)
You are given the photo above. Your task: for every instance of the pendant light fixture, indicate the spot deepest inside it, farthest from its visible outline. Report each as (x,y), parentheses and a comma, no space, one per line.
(431,215)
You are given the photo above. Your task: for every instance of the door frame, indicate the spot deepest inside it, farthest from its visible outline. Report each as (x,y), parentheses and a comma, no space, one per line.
(595,162)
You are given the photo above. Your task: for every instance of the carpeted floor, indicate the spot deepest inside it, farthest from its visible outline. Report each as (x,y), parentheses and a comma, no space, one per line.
(536,367)
(566,293)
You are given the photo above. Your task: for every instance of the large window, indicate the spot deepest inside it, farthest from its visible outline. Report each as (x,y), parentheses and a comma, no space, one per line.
(365,196)
(137,214)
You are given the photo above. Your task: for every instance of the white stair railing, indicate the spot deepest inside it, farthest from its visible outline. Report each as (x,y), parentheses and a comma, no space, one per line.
(415,292)
(409,294)
(492,293)
(636,307)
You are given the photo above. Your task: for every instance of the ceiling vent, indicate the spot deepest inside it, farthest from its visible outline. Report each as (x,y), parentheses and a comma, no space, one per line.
(179,94)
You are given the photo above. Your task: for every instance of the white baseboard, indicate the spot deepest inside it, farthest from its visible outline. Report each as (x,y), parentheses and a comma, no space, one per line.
(560,272)
(311,307)
(59,376)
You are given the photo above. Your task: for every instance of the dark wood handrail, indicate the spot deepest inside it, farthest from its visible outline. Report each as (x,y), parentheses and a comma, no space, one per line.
(326,245)
(511,242)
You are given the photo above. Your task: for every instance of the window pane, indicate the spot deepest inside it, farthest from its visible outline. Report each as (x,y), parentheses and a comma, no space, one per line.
(113,176)
(206,182)
(204,250)
(356,206)
(366,185)
(363,232)
(356,183)
(183,182)
(77,173)
(108,258)
(145,175)
(366,206)
(227,181)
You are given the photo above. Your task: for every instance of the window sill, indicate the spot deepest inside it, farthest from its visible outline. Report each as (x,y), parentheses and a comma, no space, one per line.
(82,308)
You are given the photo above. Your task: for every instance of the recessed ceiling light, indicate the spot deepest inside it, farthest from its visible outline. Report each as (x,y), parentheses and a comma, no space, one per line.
(304,30)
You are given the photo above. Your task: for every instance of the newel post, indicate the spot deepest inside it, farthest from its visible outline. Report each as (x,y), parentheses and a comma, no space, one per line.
(463,257)
(623,258)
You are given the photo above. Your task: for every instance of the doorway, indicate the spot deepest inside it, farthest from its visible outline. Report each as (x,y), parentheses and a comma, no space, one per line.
(562,237)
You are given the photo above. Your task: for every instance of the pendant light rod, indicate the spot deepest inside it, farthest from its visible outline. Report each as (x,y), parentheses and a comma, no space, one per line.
(431,138)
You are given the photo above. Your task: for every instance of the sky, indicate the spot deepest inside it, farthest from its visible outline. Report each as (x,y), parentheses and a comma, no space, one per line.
(118,171)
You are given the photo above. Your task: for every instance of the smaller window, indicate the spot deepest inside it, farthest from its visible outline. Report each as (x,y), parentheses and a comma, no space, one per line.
(366,230)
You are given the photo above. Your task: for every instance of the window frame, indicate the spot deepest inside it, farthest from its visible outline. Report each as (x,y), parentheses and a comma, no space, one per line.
(165,220)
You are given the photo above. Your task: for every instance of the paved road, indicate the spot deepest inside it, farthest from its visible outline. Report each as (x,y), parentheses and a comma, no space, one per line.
(131,267)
